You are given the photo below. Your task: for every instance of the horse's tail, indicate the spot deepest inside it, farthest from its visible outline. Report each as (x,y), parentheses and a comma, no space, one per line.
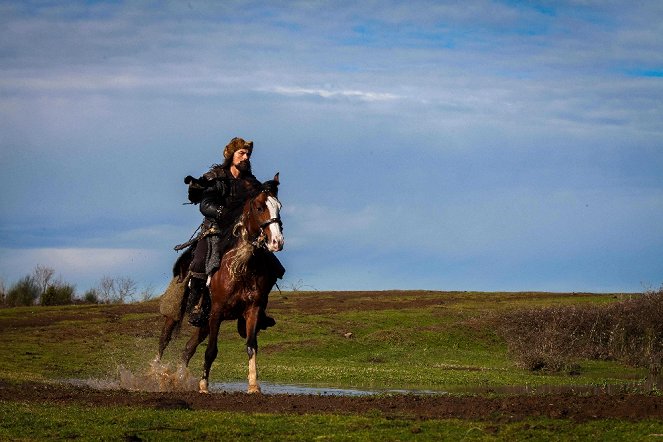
(183,306)
(173,302)
(176,329)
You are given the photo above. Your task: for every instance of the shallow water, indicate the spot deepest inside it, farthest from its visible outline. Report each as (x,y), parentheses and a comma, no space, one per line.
(165,377)
(271,388)
(161,377)
(188,383)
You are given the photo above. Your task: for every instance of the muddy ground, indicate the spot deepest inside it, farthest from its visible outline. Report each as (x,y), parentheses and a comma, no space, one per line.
(496,408)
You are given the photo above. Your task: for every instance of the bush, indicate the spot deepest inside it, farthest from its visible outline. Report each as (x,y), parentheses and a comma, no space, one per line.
(25,292)
(91,297)
(2,292)
(554,338)
(60,294)
(542,339)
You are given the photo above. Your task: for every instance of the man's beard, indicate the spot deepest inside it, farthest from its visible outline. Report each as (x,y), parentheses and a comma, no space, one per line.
(244,166)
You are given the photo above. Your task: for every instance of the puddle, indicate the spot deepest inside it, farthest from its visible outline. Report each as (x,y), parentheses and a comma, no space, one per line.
(164,378)
(161,377)
(184,381)
(270,388)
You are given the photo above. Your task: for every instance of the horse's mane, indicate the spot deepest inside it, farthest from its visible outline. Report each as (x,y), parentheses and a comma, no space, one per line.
(243,251)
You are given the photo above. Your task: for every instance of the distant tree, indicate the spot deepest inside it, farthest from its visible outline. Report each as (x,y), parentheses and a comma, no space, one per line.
(298,286)
(42,276)
(116,290)
(126,289)
(106,289)
(147,293)
(91,297)
(58,294)
(25,292)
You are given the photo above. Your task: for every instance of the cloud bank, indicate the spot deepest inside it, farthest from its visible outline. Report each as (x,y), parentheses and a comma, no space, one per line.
(488,146)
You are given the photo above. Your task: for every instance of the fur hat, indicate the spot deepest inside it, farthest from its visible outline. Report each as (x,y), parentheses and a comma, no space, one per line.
(235,145)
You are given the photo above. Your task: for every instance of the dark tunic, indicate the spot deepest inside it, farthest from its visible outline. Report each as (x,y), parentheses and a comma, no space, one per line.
(222,204)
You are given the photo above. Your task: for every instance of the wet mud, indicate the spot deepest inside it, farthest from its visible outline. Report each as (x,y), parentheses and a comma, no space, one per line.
(507,408)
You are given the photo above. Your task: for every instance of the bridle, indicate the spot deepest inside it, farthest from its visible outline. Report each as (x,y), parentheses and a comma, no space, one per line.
(261,240)
(272,221)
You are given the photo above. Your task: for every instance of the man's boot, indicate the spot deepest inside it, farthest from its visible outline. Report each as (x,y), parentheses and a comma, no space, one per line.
(199,314)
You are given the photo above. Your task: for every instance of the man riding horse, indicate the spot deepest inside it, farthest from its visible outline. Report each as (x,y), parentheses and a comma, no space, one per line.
(221,194)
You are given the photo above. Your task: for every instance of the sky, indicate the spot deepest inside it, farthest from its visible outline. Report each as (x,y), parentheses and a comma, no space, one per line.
(474,145)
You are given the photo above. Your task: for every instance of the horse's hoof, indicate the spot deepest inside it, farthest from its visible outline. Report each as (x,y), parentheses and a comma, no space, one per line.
(202,387)
(254,389)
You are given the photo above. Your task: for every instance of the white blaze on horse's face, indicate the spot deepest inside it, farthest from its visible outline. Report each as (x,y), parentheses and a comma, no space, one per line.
(275,242)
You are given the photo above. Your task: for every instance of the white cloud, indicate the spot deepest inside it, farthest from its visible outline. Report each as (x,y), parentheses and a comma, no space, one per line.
(84,267)
(78,259)
(525,112)
(327,93)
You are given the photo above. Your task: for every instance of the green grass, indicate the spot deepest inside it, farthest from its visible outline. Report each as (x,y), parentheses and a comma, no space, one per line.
(447,344)
(420,340)
(432,347)
(50,422)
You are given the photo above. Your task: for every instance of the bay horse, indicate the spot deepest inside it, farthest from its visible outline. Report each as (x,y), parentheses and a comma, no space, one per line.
(239,289)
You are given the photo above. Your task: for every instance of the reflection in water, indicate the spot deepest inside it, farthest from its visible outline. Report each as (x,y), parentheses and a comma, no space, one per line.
(269,388)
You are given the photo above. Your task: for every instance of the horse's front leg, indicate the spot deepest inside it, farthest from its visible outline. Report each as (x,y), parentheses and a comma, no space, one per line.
(251,317)
(211,352)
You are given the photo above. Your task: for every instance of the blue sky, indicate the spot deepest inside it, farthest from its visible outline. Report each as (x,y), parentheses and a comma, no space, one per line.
(476,145)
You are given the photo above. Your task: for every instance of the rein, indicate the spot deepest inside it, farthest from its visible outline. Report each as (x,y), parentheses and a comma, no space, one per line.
(250,243)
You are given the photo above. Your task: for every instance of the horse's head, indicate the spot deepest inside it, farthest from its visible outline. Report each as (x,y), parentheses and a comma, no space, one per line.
(265,218)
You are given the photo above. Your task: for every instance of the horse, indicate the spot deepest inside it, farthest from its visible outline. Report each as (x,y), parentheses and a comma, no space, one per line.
(239,289)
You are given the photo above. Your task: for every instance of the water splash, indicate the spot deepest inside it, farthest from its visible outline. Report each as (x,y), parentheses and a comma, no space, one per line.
(159,377)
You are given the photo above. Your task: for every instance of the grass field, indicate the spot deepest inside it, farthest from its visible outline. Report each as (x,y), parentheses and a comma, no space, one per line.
(441,341)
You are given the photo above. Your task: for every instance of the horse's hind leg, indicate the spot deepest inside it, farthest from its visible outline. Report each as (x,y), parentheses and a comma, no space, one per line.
(252,316)
(192,344)
(169,326)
